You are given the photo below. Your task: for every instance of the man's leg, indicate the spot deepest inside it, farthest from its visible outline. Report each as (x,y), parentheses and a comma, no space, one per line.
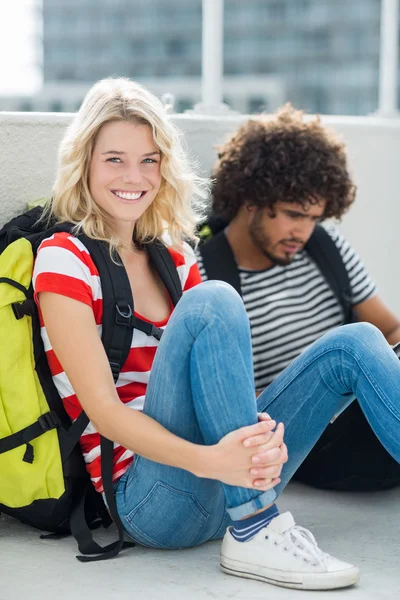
(349,457)
(352,361)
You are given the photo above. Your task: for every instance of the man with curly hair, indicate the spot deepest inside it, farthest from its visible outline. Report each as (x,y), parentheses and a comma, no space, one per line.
(275,180)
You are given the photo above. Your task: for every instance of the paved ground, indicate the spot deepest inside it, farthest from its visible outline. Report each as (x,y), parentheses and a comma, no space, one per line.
(361,528)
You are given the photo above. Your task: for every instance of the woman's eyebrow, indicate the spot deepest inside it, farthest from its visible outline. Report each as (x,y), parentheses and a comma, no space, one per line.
(113,152)
(119,152)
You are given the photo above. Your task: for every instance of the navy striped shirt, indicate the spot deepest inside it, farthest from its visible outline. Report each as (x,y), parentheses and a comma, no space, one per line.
(290,307)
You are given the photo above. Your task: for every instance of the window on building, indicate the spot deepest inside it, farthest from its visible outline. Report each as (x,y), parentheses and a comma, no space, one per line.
(65,74)
(184,104)
(257,104)
(175,47)
(56,106)
(321,40)
(25,106)
(277,10)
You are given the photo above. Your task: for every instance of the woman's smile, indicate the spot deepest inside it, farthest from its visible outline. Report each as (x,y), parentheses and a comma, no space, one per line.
(129,196)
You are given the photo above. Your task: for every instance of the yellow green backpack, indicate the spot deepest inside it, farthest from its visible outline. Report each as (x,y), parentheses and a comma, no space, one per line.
(44,482)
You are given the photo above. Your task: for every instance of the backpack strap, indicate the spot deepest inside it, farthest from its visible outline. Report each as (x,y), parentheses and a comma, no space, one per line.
(117,331)
(118,305)
(323,250)
(219,261)
(45,422)
(162,260)
(166,268)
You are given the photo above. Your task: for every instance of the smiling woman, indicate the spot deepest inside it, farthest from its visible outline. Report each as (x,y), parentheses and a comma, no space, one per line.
(114,145)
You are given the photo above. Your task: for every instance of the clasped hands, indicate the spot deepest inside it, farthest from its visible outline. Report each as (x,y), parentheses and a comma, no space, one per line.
(252,456)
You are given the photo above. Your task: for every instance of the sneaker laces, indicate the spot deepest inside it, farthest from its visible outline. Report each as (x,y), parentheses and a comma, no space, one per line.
(302,543)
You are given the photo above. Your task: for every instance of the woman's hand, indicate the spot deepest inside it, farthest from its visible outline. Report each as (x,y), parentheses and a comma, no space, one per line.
(250,457)
(269,459)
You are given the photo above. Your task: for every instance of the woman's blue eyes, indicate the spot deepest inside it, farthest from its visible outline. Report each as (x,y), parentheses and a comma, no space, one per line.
(114,160)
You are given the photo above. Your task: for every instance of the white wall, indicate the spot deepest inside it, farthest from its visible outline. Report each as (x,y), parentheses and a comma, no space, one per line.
(28,157)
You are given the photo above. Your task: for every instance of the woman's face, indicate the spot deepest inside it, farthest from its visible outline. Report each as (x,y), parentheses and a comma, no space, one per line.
(124,174)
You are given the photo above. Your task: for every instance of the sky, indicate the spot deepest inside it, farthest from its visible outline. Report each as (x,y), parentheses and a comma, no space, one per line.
(19,48)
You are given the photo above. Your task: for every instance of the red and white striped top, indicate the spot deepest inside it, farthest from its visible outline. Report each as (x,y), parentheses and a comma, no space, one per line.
(64,266)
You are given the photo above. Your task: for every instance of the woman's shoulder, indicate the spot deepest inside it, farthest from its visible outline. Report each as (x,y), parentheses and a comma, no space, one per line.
(185,262)
(63,265)
(64,255)
(182,256)
(67,248)
(62,239)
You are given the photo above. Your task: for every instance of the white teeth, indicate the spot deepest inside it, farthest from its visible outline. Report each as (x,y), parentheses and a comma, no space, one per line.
(128,196)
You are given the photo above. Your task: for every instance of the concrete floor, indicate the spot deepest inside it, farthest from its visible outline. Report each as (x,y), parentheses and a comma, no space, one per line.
(361,528)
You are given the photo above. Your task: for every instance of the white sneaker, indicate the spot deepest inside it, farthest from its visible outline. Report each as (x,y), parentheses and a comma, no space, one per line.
(287,555)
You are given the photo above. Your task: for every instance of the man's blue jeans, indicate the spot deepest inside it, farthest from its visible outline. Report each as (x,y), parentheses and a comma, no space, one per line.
(201,387)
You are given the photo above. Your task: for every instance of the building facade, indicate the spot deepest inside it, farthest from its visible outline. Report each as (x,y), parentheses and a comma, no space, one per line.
(323,55)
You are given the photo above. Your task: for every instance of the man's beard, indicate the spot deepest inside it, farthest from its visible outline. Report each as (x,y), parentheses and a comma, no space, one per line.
(263,243)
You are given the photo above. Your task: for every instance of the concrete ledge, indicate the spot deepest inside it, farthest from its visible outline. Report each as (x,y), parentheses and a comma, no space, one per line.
(28,158)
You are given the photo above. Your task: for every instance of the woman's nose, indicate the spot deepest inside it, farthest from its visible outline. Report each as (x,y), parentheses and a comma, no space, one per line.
(132,175)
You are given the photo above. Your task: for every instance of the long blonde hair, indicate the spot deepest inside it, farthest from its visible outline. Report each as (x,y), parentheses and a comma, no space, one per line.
(180,201)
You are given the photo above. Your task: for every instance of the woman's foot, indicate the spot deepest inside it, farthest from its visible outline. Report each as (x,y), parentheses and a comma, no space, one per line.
(287,555)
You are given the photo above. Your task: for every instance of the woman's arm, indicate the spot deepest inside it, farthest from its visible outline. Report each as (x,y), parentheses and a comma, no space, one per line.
(77,345)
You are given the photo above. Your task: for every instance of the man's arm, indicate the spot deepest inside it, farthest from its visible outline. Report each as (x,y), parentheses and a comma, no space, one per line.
(375,311)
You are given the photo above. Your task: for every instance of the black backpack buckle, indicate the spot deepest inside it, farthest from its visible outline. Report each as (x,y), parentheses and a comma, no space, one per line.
(156,332)
(124,313)
(115,369)
(49,420)
(22,309)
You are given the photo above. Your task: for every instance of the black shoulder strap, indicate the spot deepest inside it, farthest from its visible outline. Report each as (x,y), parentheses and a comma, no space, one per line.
(326,254)
(118,305)
(117,333)
(166,268)
(219,261)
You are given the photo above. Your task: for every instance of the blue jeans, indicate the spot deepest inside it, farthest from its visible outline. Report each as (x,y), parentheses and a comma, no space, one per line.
(201,387)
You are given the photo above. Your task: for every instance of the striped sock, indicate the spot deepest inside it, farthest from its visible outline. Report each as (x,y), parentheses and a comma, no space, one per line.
(246,529)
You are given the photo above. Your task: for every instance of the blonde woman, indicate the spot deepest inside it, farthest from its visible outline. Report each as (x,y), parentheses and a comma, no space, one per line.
(198,459)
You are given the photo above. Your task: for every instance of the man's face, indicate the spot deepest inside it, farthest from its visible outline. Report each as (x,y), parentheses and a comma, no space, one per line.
(281,236)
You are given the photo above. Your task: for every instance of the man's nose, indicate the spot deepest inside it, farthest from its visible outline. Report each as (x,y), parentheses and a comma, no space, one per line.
(303,231)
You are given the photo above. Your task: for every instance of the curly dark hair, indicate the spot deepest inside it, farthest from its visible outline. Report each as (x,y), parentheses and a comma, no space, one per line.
(282,158)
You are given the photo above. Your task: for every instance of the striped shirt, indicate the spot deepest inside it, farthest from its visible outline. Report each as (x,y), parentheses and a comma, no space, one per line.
(64,266)
(290,307)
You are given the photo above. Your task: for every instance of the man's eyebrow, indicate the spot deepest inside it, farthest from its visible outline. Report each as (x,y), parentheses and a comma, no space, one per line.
(296,212)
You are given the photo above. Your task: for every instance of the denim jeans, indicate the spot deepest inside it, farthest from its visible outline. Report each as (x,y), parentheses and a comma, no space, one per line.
(201,387)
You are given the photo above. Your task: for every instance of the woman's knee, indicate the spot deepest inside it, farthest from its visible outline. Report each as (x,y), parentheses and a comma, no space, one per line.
(215,302)
(218,294)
